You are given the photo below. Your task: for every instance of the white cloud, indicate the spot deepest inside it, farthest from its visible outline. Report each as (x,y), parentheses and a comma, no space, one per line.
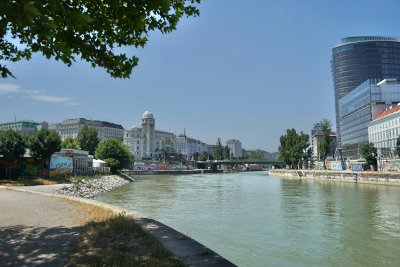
(8,88)
(52,99)
(39,95)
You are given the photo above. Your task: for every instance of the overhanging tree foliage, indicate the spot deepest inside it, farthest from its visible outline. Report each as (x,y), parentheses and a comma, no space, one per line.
(88,139)
(115,153)
(294,147)
(12,147)
(94,31)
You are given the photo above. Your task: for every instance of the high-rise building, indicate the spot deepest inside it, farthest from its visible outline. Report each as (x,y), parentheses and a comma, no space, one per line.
(359,107)
(357,59)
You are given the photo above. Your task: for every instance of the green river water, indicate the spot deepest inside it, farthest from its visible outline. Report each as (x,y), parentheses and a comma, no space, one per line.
(253,219)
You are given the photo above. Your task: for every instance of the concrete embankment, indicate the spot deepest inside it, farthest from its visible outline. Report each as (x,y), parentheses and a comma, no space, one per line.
(342,176)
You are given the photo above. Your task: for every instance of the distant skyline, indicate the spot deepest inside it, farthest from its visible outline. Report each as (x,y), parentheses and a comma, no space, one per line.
(246,71)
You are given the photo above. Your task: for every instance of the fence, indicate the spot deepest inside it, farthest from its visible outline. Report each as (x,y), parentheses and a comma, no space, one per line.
(91,170)
(59,166)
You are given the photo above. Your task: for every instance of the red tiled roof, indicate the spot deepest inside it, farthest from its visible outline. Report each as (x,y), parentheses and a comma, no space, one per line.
(387,112)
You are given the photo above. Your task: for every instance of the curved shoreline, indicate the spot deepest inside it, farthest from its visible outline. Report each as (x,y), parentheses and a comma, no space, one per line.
(191,252)
(90,188)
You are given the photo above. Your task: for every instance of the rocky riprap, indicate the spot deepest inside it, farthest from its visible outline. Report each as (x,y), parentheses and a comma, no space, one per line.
(90,188)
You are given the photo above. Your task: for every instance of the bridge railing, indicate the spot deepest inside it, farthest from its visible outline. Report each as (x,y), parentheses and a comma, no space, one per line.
(218,162)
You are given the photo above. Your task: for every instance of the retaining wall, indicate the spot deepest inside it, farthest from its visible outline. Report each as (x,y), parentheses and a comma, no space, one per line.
(343,176)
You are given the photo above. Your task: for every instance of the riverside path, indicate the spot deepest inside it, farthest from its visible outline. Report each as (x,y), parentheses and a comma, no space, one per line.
(36,230)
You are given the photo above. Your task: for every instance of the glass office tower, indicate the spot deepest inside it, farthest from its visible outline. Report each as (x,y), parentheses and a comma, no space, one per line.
(359,107)
(357,59)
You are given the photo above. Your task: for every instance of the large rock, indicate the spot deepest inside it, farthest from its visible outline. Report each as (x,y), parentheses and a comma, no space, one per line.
(90,188)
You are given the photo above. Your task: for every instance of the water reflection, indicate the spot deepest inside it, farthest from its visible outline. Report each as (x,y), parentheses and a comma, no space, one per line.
(256,220)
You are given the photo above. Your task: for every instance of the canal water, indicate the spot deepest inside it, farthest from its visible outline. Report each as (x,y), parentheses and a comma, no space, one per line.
(253,219)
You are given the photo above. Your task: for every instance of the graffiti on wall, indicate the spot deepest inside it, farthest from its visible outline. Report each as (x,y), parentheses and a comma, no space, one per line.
(392,165)
(335,165)
(60,165)
(29,167)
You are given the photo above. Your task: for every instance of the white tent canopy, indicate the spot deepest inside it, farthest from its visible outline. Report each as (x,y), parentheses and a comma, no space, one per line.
(98,163)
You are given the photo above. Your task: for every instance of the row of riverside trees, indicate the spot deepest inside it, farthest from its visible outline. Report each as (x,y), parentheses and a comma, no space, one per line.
(221,152)
(43,143)
(295,149)
(87,139)
(113,151)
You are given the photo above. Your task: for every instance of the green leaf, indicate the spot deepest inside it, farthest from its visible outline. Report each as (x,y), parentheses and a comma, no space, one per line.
(30,10)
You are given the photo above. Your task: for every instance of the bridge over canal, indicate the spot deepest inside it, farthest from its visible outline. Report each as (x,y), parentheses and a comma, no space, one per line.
(214,163)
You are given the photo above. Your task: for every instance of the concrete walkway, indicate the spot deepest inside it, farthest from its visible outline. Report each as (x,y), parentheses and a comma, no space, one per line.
(36,230)
(43,188)
(37,227)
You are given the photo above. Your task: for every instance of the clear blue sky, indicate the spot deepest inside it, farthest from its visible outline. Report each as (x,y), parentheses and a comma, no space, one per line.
(243,69)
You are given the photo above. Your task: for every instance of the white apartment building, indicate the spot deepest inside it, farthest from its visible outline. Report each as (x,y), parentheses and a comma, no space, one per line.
(105,130)
(384,130)
(146,142)
(188,146)
(235,148)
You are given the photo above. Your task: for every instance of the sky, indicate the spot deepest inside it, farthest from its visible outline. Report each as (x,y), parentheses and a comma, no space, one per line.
(246,70)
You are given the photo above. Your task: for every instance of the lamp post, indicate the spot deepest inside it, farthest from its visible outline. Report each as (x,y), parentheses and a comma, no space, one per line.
(380,162)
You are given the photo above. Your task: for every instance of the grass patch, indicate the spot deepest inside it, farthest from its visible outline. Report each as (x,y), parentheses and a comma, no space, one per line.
(30,181)
(33,181)
(118,241)
(91,213)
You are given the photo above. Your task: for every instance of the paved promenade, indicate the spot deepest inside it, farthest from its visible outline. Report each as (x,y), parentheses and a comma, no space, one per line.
(35,230)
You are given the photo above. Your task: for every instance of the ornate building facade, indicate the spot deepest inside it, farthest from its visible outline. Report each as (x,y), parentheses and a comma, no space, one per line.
(146,142)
